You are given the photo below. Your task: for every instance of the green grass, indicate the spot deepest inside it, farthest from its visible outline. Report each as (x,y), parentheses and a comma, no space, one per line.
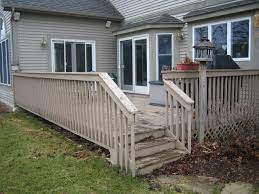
(36,159)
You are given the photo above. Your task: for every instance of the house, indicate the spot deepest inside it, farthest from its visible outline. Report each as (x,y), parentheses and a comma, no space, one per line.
(141,37)
(135,40)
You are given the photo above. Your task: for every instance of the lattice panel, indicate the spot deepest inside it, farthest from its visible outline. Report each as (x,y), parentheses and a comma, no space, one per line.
(224,131)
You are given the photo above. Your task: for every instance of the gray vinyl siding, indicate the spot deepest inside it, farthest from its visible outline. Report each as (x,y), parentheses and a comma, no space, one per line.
(32,28)
(183,43)
(6,92)
(134,10)
(6,95)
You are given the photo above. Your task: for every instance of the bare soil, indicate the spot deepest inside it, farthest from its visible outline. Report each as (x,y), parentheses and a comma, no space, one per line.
(231,160)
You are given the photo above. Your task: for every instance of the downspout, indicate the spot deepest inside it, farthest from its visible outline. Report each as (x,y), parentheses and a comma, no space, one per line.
(14,62)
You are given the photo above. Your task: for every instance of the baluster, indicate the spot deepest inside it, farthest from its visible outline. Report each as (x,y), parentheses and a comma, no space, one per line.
(189,119)
(209,104)
(103,116)
(166,108)
(90,112)
(213,101)
(98,112)
(110,120)
(197,103)
(94,110)
(236,95)
(121,141)
(126,151)
(116,133)
(107,120)
(183,119)
(133,168)
(86,109)
(177,119)
(171,114)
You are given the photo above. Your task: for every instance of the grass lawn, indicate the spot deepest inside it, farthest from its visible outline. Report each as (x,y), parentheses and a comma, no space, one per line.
(37,159)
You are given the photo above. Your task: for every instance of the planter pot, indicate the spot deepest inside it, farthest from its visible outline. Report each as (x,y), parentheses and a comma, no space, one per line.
(188,66)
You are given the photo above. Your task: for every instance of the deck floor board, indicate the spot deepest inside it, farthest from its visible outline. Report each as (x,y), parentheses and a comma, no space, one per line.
(148,117)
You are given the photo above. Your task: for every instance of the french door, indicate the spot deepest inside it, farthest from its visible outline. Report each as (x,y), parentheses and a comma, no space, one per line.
(134,64)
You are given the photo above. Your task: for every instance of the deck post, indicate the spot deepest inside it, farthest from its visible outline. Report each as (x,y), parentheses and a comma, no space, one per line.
(203,100)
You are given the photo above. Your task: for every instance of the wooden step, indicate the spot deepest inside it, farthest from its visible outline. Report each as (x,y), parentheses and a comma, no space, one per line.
(149,163)
(143,132)
(152,146)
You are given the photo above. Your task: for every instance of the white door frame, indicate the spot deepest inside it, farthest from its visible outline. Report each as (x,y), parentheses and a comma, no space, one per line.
(136,89)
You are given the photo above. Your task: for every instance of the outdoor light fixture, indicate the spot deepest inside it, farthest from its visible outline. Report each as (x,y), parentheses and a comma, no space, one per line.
(16,16)
(108,24)
(180,35)
(44,42)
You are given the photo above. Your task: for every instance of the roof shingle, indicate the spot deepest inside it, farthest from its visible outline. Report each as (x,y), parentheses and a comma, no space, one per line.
(158,20)
(88,8)
(222,7)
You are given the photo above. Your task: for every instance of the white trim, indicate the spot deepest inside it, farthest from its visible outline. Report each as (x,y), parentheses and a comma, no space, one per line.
(4,29)
(55,40)
(7,63)
(136,89)
(229,32)
(172,54)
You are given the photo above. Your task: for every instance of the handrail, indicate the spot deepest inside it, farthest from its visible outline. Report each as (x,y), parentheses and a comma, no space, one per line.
(178,94)
(104,78)
(179,111)
(177,74)
(117,94)
(90,105)
(229,92)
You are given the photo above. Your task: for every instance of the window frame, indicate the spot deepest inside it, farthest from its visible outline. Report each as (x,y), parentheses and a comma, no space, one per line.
(5,39)
(8,71)
(229,32)
(57,40)
(157,51)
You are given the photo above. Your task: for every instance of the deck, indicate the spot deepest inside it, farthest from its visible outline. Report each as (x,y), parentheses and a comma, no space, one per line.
(92,106)
(148,117)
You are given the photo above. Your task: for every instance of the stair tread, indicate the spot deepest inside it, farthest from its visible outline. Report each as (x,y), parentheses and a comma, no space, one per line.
(160,157)
(147,129)
(151,142)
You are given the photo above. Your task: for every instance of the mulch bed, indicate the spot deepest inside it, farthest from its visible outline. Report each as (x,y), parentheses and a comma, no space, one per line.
(230,160)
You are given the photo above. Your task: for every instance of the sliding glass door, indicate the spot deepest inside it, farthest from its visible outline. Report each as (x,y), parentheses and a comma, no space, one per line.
(134,64)
(72,56)
(126,65)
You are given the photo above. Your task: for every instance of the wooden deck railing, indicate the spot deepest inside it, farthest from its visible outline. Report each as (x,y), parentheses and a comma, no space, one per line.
(179,111)
(232,96)
(88,104)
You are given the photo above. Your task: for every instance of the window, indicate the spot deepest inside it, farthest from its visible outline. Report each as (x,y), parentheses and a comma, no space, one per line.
(164,53)
(73,56)
(240,39)
(4,56)
(4,63)
(229,37)
(200,33)
(2,29)
(219,38)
